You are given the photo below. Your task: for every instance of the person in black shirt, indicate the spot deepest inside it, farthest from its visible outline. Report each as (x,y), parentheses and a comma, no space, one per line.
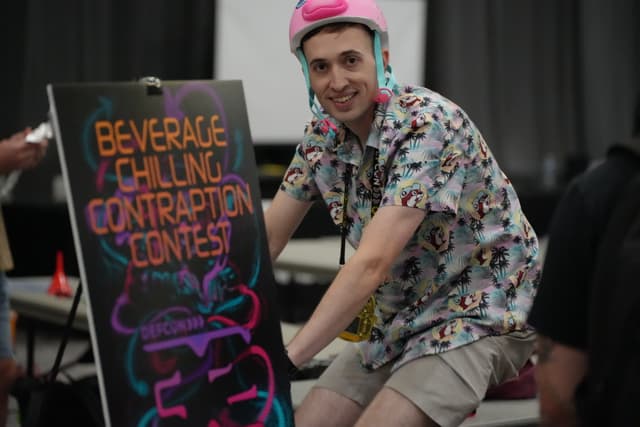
(561,308)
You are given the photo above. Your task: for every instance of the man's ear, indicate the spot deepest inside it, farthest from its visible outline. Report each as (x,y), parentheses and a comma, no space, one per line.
(385,57)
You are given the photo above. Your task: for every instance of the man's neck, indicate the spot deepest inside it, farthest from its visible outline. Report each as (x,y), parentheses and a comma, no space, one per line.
(361,131)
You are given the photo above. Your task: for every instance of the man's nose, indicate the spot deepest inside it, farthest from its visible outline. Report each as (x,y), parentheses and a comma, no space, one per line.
(338,79)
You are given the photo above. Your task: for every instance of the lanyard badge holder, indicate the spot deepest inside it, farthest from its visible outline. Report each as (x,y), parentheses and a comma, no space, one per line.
(361,327)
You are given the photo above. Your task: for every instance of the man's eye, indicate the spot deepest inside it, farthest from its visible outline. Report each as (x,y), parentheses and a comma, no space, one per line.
(352,60)
(319,68)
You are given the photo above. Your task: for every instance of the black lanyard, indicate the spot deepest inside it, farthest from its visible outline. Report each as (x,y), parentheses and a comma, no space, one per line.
(376,198)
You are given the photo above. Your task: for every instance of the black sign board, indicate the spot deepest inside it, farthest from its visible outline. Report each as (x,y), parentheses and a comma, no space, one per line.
(168,226)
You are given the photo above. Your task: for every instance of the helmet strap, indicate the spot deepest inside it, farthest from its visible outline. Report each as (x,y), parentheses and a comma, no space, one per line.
(385,85)
(312,96)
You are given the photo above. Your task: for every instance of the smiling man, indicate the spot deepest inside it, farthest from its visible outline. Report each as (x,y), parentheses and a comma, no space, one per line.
(343,74)
(446,263)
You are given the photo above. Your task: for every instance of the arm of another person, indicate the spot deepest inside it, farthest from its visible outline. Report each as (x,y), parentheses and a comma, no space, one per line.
(18,154)
(382,241)
(282,218)
(560,309)
(559,370)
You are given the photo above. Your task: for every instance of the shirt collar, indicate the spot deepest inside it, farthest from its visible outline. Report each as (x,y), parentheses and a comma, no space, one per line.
(344,143)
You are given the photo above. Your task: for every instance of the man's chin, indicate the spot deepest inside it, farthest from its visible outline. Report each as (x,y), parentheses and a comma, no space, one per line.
(341,116)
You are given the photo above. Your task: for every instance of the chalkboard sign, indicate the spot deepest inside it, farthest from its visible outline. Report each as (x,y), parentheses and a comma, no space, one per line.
(169,233)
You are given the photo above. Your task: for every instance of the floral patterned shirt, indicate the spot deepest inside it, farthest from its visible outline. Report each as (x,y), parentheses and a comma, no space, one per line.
(471,269)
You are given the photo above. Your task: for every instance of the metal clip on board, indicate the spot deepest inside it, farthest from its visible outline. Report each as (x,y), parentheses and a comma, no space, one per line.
(153,85)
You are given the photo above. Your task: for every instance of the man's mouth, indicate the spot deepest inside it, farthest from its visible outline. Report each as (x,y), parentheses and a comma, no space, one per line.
(344,99)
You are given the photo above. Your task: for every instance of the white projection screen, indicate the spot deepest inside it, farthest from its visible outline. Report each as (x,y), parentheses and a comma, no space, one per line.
(251,44)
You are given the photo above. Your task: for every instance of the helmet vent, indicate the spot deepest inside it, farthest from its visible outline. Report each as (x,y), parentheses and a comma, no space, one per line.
(315,10)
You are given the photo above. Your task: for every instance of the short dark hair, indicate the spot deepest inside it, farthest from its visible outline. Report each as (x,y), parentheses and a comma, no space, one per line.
(335,27)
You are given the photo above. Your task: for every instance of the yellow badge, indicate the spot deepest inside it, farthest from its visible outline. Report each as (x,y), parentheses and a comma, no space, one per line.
(361,327)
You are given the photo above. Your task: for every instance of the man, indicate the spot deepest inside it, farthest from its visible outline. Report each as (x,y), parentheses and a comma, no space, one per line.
(442,244)
(562,307)
(15,154)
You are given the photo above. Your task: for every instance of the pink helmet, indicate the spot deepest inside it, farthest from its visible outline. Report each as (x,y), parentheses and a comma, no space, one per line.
(311,14)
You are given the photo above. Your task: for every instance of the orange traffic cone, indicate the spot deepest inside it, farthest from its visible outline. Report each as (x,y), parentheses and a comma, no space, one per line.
(59,285)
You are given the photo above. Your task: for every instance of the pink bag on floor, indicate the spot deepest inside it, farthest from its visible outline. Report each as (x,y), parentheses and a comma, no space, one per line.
(521,387)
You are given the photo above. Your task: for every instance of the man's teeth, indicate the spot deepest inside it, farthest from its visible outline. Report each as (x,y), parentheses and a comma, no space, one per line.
(344,98)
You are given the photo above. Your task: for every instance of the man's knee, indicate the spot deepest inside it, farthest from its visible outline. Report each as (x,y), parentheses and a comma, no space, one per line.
(390,407)
(322,407)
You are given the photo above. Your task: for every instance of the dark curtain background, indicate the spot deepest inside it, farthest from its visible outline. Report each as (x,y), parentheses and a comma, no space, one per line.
(46,41)
(544,79)
(551,83)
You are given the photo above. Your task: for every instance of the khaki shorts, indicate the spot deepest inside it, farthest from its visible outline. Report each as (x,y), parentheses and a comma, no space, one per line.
(446,386)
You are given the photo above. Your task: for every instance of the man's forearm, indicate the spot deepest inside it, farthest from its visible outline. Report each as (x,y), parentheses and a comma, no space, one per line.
(342,302)
(382,242)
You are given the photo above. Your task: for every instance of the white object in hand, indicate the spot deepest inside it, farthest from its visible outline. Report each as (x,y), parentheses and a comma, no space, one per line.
(43,131)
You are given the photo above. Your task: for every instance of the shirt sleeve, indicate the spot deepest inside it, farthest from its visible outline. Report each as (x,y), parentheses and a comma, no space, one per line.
(560,309)
(298,180)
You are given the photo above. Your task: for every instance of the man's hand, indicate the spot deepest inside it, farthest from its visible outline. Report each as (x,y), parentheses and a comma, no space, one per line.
(559,370)
(18,154)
